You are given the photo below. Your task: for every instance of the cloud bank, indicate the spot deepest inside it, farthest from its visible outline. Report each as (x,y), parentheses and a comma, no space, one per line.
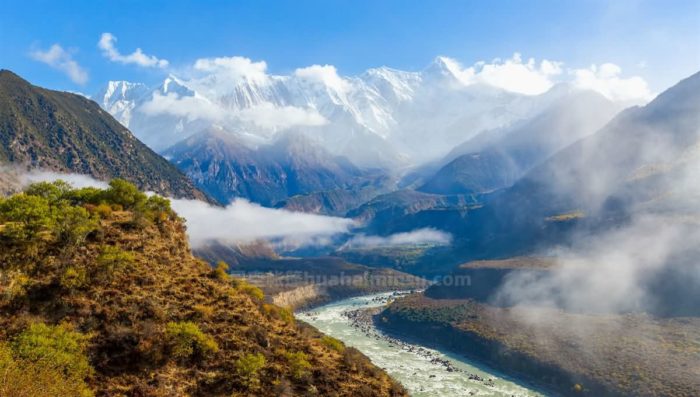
(418,236)
(532,78)
(107,44)
(239,222)
(233,69)
(243,221)
(62,60)
(606,80)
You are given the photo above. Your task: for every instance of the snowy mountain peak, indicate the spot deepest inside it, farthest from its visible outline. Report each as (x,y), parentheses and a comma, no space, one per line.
(379,118)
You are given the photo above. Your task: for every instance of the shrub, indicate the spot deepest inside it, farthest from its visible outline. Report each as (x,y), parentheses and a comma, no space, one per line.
(53,192)
(13,285)
(333,343)
(24,217)
(113,259)
(251,290)
(103,210)
(26,378)
(187,340)
(158,208)
(299,364)
(74,224)
(56,347)
(221,271)
(248,368)
(73,277)
(280,313)
(123,193)
(86,195)
(203,311)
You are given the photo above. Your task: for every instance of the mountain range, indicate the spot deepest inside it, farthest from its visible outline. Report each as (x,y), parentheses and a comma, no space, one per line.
(383,118)
(224,167)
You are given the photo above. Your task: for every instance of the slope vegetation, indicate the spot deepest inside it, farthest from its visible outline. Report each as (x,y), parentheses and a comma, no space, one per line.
(101,296)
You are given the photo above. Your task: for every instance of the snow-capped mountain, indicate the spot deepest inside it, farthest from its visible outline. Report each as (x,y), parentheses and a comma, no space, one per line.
(381,118)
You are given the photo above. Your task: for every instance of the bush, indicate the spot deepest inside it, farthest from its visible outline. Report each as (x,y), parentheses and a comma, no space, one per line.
(55,347)
(104,210)
(73,278)
(203,311)
(123,193)
(158,209)
(186,340)
(280,313)
(221,271)
(299,364)
(74,224)
(25,378)
(53,192)
(248,368)
(251,290)
(113,259)
(86,195)
(13,285)
(25,217)
(333,344)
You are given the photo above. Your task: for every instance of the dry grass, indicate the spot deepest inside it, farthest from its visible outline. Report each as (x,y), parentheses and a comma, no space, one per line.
(127,316)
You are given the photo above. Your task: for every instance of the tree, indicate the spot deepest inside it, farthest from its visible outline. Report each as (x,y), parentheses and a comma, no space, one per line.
(126,194)
(53,192)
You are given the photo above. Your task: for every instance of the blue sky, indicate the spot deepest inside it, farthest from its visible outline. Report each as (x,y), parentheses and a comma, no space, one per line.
(658,40)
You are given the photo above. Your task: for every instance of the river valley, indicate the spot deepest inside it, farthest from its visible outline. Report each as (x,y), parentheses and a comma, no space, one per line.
(423,371)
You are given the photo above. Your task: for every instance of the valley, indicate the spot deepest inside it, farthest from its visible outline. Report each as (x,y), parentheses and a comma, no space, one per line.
(361,199)
(422,370)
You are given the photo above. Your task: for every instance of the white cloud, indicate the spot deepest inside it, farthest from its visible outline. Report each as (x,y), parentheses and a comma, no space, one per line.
(265,115)
(513,74)
(189,107)
(326,75)
(107,45)
(273,117)
(517,76)
(418,236)
(606,80)
(242,221)
(76,180)
(532,78)
(60,59)
(233,68)
(239,222)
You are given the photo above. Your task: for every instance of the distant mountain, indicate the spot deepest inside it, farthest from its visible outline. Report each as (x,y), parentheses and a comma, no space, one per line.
(226,168)
(496,159)
(646,155)
(644,161)
(382,212)
(380,118)
(64,132)
(338,202)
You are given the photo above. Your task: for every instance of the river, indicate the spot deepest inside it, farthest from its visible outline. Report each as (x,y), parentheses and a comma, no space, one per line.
(422,371)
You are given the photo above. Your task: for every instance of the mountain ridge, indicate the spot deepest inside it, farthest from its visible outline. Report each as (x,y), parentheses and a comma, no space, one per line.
(66,132)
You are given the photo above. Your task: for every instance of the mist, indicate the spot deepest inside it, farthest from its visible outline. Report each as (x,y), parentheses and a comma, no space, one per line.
(638,246)
(239,222)
(418,236)
(243,221)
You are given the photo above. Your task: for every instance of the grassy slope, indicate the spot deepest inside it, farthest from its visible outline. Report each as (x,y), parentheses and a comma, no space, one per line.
(126,318)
